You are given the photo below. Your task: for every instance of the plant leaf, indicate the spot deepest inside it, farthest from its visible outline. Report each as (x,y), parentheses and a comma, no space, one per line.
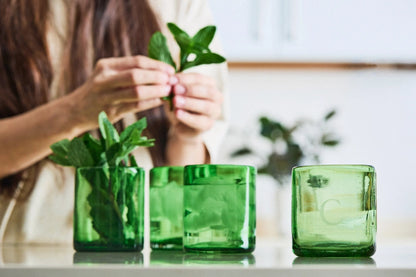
(241,152)
(204,58)
(158,49)
(330,142)
(139,125)
(330,115)
(182,38)
(60,152)
(114,154)
(78,154)
(272,130)
(60,160)
(108,132)
(133,161)
(60,148)
(105,214)
(94,147)
(204,36)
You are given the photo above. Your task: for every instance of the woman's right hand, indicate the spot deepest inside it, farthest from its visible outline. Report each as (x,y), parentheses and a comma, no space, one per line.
(119,86)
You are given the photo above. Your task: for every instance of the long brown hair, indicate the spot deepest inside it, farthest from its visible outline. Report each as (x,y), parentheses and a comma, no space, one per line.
(113,28)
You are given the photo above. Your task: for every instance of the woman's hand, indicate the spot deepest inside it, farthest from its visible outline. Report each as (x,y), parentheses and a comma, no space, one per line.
(119,86)
(197,105)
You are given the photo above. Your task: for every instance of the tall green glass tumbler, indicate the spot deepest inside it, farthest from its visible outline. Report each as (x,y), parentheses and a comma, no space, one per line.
(109,209)
(166,207)
(219,208)
(334,210)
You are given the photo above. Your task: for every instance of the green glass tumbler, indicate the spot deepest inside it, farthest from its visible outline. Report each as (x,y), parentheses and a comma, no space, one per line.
(219,208)
(109,209)
(166,207)
(334,210)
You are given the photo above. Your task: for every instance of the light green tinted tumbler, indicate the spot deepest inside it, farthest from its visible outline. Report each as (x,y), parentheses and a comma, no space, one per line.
(334,210)
(109,209)
(219,208)
(166,207)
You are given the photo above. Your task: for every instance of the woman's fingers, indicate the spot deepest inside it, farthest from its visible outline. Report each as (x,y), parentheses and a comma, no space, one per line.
(195,78)
(134,77)
(198,106)
(123,63)
(195,121)
(137,106)
(137,93)
(197,101)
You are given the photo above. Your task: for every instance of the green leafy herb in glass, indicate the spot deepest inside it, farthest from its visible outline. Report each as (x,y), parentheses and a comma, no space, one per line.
(194,50)
(112,150)
(108,213)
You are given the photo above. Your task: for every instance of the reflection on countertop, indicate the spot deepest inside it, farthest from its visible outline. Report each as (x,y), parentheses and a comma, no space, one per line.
(342,261)
(269,254)
(90,258)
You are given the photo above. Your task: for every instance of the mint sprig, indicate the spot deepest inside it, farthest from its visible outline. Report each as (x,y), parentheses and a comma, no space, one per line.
(112,150)
(114,216)
(194,50)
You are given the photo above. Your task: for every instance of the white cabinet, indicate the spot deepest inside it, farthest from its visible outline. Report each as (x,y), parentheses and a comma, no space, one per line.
(375,31)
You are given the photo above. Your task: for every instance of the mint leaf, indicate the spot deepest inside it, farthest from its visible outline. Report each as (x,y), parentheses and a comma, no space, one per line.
(158,49)
(60,152)
(112,154)
(197,45)
(94,147)
(108,132)
(60,160)
(182,38)
(132,160)
(205,36)
(61,148)
(78,154)
(111,150)
(105,213)
(114,216)
(139,125)
(205,58)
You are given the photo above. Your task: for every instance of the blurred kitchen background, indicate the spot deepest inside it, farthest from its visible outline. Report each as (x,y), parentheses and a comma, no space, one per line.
(296,61)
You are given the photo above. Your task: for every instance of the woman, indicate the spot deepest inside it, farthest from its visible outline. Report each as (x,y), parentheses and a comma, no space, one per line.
(61,63)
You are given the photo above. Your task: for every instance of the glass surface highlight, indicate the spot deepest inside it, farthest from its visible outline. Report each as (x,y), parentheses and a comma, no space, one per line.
(166,207)
(109,209)
(334,210)
(219,208)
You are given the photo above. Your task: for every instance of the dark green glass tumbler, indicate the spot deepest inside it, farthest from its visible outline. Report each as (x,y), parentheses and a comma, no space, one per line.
(219,208)
(166,207)
(334,210)
(109,209)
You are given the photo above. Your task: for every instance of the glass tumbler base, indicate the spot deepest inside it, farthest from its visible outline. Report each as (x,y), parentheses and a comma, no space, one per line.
(334,250)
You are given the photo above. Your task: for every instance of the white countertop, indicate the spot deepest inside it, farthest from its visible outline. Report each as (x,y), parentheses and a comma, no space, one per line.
(271,258)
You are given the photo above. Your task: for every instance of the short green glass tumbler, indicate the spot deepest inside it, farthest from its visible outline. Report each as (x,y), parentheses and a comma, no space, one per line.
(334,210)
(219,208)
(166,207)
(109,209)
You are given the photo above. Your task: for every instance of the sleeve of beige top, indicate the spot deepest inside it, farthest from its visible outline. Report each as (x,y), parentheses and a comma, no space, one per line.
(192,15)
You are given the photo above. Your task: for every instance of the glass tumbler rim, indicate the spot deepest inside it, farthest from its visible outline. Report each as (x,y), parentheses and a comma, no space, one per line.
(175,167)
(112,167)
(222,165)
(359,167)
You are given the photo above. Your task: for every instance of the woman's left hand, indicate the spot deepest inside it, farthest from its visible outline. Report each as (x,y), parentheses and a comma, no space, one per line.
(197,105)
